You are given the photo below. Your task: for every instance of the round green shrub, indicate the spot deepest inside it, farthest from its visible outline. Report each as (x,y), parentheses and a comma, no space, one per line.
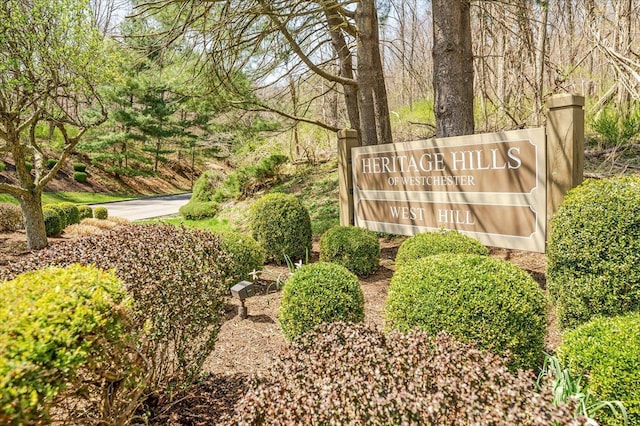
(51,162)
(28,165)
(474,298)
(319,293)
(3,166)
(52,222)
(195,210)
(593,252)
(100,213)
(282,226)
(244,256)
(356,249)
(52,322)
(607,350)
(71,213)
(61,212)
(85,212)
(430,243)
(79,167)
(10,217)
(80,177)
(206,185)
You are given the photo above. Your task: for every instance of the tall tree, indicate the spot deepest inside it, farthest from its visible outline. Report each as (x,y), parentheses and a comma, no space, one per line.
(452,68)
(51,58)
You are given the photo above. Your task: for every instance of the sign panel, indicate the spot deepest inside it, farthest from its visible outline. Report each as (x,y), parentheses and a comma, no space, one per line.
(489,186)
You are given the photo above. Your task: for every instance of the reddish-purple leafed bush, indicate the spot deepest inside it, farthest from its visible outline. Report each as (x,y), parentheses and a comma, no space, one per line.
(176,279)
(354,374)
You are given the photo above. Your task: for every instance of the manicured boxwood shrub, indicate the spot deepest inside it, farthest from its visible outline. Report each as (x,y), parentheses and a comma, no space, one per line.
(176,279)
(3,166)
(195,210)
(85,212)
(245,255)
(430,243)
(71,213)
(80,177)
(607,351)
(353,374)
(593,253)
(281,225)
(10,217)
(61,212)
(100,213)
(356,249)
(51,162)
(474,298)
(53,324)
(79,167)
(52,221)
(319,293)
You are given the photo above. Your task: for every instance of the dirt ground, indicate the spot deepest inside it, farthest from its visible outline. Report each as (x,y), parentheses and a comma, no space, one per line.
(247,347)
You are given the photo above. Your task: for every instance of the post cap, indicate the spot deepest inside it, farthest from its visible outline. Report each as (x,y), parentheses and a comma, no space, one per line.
(563,100)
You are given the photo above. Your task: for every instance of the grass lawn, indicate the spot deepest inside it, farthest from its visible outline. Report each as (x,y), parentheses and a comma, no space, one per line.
(71,197)
(211,224)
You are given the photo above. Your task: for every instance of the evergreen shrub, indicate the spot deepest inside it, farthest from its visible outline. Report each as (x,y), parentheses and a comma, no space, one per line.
(206,185)
(282,226)
(245,255)
(28,165)
(52,221)
(607,351)
(51,162)
(319,293)
(3,166)
(474,298)
(55,323)
(353,374)
(71,213)
(10,217)
(195,210)
(356,249)
(431,243)
(85,212)
(593,252)
(79,167)
(80,177)
(100,213)
(61,212)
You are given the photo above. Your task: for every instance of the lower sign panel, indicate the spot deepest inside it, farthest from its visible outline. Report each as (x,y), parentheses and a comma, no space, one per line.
(496,225)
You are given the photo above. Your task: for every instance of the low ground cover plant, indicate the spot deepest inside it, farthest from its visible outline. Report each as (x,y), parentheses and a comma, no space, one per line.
(356,249)
(59,328)
(607,351)
(443,241)
(593,256)
(281,225)
(354,374)
(319,293)
(474,298)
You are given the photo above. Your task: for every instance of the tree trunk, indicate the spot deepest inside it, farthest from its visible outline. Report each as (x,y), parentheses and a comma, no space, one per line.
(452,68)
(34,220)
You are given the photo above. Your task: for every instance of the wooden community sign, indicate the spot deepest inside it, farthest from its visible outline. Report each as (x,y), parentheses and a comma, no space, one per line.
(489,186)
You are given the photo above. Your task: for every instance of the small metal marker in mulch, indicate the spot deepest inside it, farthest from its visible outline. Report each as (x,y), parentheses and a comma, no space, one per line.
(242,291)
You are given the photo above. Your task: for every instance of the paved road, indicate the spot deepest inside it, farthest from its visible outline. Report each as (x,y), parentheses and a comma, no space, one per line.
(146,208)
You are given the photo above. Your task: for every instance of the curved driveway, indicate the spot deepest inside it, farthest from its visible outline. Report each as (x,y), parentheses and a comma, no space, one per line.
(146,208)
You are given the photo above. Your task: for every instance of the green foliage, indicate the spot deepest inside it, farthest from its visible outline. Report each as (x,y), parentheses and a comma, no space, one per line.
(53,323)
(474,298)
(614,130)
(79,167)
(356,249)
(206,185)
(281,225)
(354,374)
(607,351)
(80,177)
(10,218)
(319,293)
(85,212)
(3,166)
(52,221)
(28,165)
(51,162)
(593,252)
(566,386)
(71,213)
(244,256)
(431,243)
(100,212)
(195,210)
(61,213)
